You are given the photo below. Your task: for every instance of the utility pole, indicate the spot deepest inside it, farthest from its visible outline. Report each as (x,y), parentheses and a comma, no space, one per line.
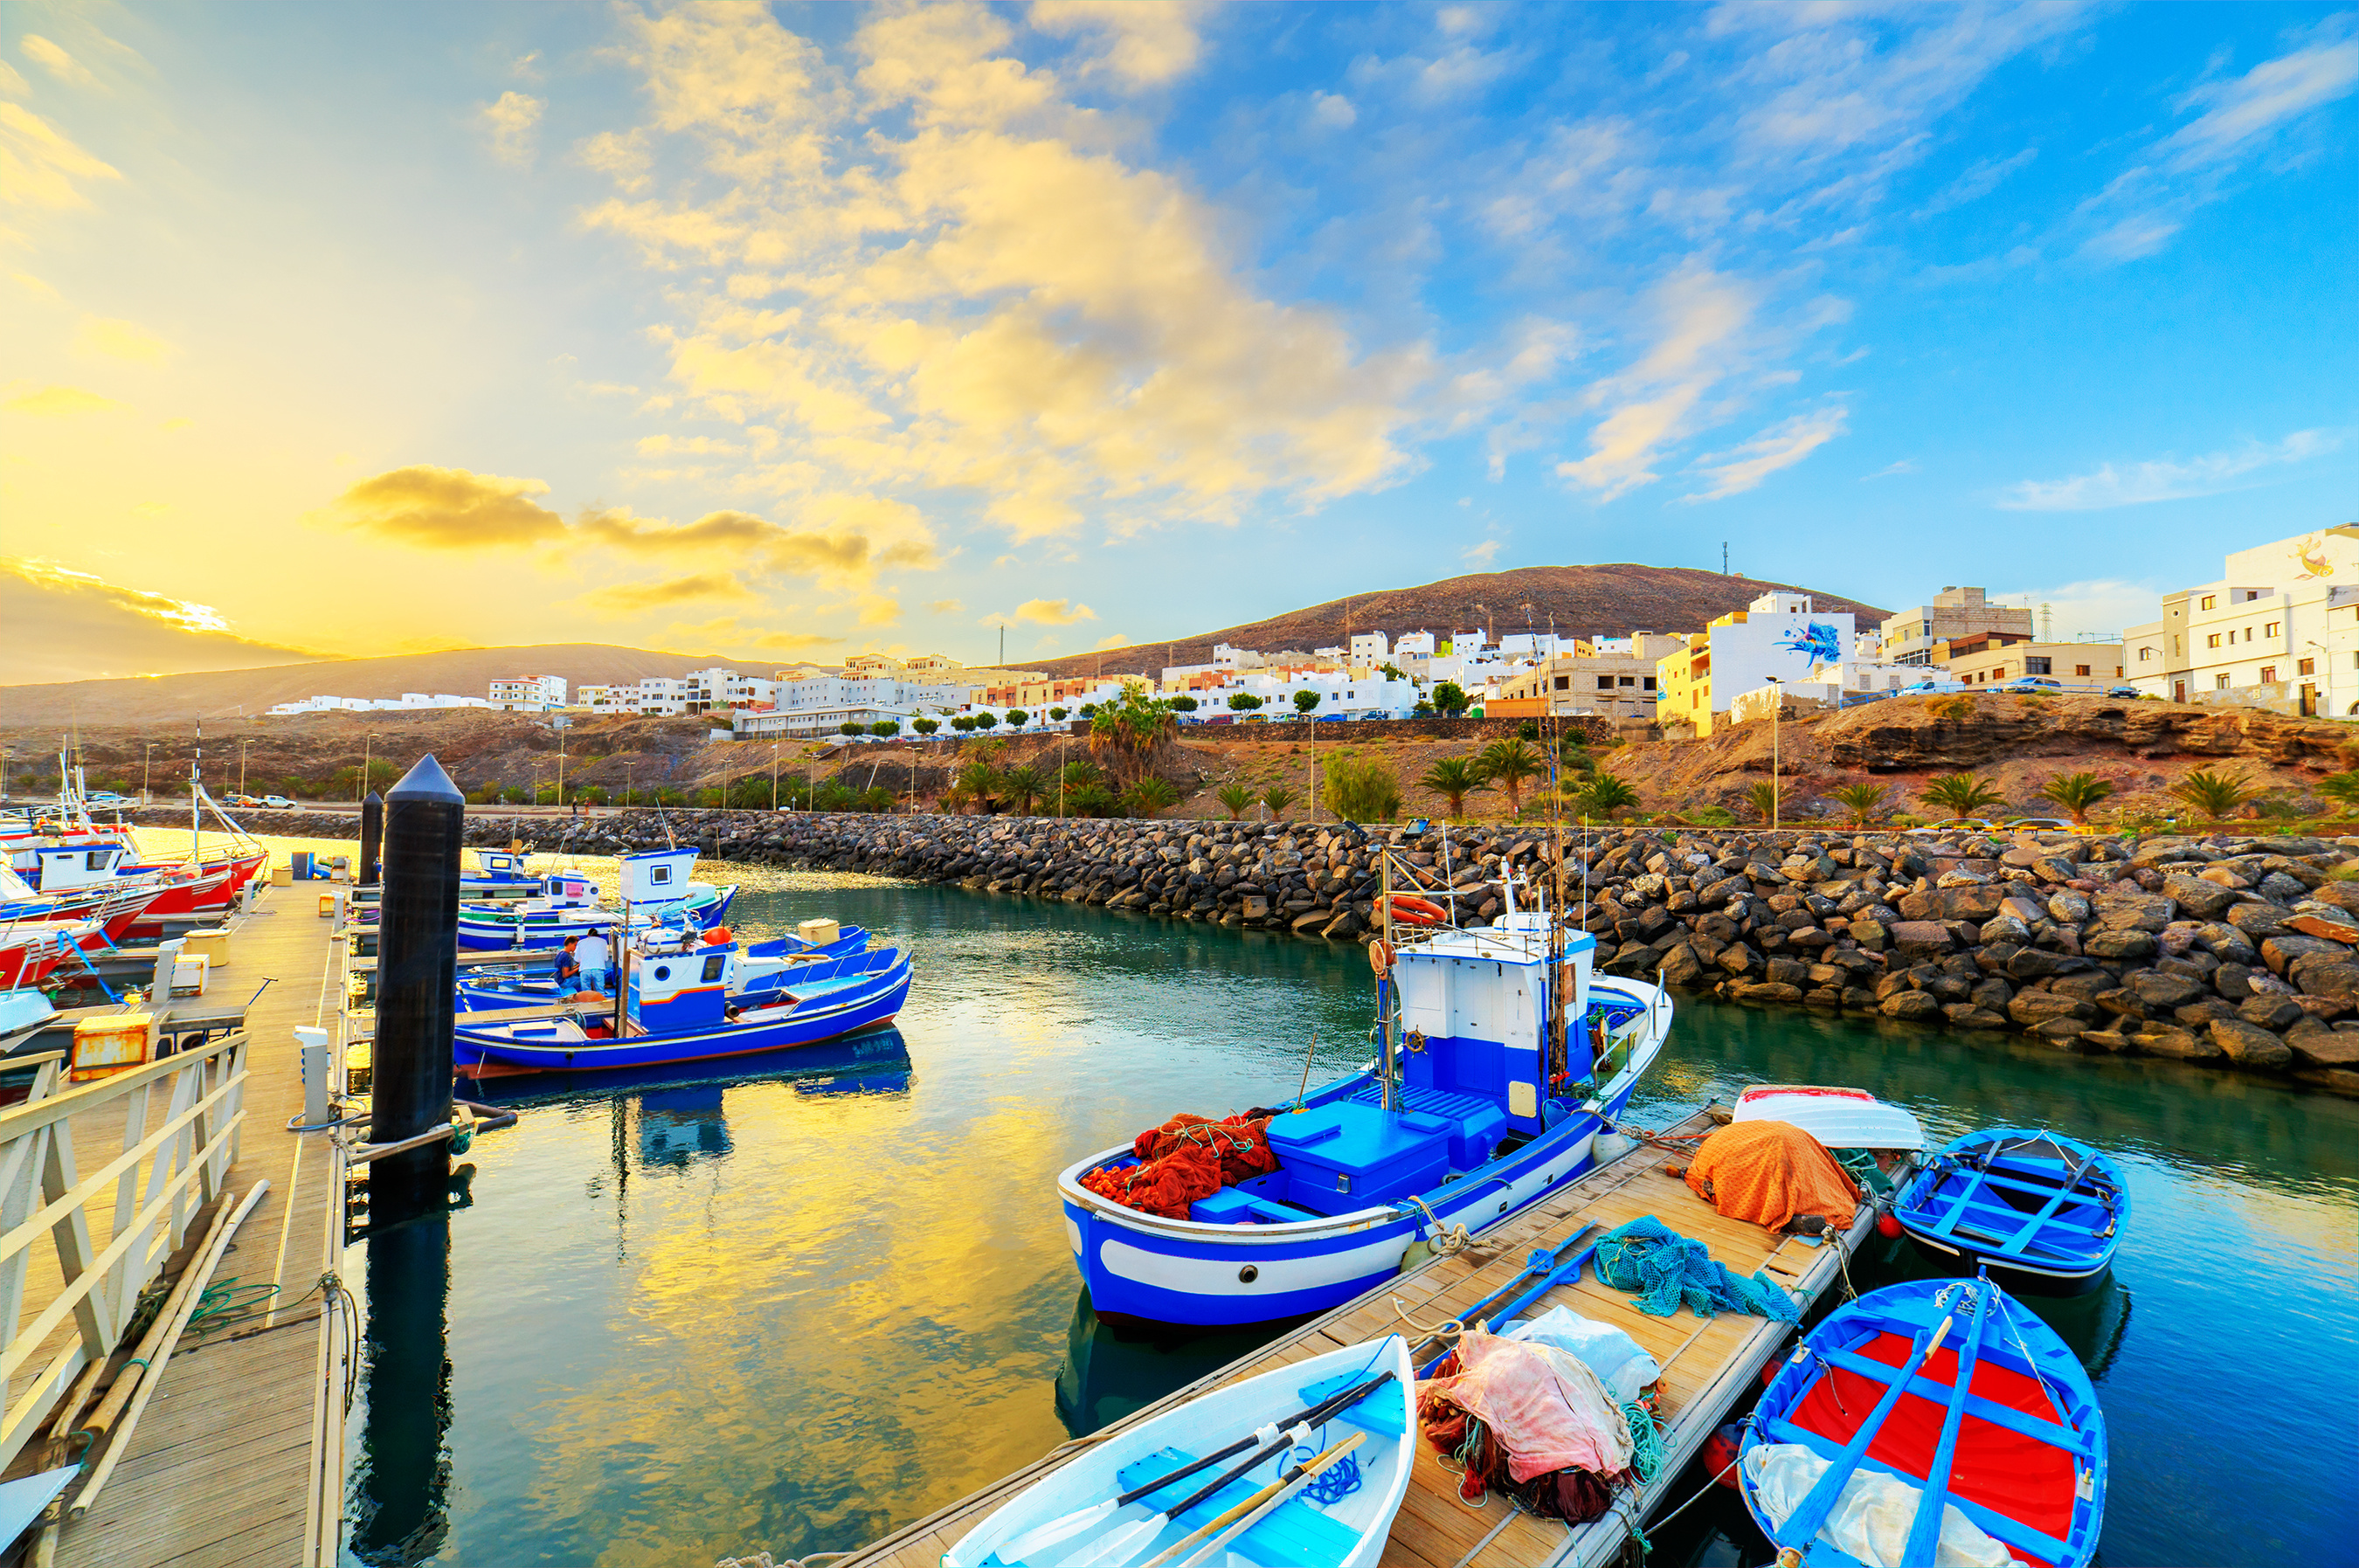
(773,775)
(368,745)
(243,747)
(1723,557)
(1777,711)
(143,762)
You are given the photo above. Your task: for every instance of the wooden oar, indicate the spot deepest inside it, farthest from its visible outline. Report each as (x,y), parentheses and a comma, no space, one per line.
(1926,1528)
(1268,1498)
(1064,1529)
(1802,1525)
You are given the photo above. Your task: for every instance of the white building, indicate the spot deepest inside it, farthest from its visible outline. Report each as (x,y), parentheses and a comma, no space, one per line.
(1371,648)
(1777,634)
(1414,645)
(2280,630)
(529,694)
(804,723)
(408,701)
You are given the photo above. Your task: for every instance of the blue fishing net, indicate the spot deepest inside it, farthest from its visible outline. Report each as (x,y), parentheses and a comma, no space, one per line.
(1666,1268)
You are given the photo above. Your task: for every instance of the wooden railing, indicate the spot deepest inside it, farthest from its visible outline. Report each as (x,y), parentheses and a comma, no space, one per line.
(158,1181)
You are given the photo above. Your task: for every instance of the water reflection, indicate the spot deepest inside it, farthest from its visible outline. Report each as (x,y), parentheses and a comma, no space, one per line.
(1110,1372)
(401,1476)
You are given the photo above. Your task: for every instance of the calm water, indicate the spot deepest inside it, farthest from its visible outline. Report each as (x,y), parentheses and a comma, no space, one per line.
(787,1313)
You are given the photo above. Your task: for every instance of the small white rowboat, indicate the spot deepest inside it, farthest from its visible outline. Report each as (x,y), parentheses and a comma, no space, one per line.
(1837,1118)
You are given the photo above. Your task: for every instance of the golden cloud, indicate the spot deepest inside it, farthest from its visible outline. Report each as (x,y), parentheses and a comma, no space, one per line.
(513,123)
(733,629)
(71,625)
(121,339)
(449,509)
(1145,41)
(945,607)
(39,164)
(56,62)
(57,402)
(632,598)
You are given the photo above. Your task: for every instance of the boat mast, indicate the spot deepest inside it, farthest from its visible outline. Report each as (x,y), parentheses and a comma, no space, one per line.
(1384,981)
(196,793)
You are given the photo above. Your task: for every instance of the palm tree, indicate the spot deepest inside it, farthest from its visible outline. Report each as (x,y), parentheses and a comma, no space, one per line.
(981,784)
(1960,795)
(2341,789)
(1278,797)
(1235,798)
(1455,778)
(1148,795)
(1021,786)
(1604,795)
(1131,731)
(1762,799)
(1508,764)
(1863,801)
(2213,795)
(2076,793)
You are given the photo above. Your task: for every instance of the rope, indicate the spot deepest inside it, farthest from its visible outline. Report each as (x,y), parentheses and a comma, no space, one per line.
(1448,1328)
(1445,1240)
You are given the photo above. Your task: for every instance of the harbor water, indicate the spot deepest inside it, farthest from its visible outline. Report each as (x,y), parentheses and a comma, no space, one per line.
(791,1304)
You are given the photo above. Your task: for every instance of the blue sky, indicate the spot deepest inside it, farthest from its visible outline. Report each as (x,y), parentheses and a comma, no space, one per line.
(791,332)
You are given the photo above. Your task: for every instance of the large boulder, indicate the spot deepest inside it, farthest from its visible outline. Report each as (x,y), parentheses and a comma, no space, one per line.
(2282,951)
(2181,1043)
(2330,977)
(2258,920)
(2197,895)
(2157,989)
(1966,1016)
(2126,909)
(2315,1044)
(2318,925)
(2249,1046)
(2031,1009)
(2117,946)
(1915,1007)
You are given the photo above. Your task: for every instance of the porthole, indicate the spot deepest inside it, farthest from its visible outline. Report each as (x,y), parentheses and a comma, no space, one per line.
(1248,1274)
(663,971)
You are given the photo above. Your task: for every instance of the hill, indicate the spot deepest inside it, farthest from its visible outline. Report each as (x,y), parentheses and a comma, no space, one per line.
(1610,600)
(465,672)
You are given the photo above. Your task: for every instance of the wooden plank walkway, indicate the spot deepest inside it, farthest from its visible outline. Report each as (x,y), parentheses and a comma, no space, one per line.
(1707,1364)
(239,1462)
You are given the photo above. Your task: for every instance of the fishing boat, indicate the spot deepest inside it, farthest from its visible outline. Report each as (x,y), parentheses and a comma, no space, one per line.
(1208,1481)
(756,970)
(1504,1058)
(1838,1118)
(677,1007)
(499,873)
(1929,1416)
(655,892)
(2043,1212)
(98,915)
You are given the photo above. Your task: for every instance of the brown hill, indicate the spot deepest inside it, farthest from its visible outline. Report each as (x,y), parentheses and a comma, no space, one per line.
(465,672)
(1609,600)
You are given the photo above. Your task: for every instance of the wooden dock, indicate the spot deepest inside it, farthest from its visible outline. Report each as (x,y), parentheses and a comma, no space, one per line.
(1707,1365)
(238,1460)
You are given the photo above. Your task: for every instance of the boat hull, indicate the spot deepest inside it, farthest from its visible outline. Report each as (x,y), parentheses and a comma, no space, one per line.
(1991,1201)
(493,931)
(826,1018)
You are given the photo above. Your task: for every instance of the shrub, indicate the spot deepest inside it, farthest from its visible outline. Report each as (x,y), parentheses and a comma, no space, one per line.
(670,795)
(1184,704)
(1148,795)
(712,797)
(1093,799)
(1712,816)
(878,798)
(925,726)
(1454,778)
(545,795)
(1362,789)
(1863,801)
(885,727)
(2342,788)
(961,723)
(1529,730)
(1960,795)
(1056,716)
(1278,797)
(1235,799)
(849,727)
(1022,787)
(1508,764)
(593,796)
(2076,793)
(2215,795)
(1605,793)
(834,795)
(1088,711)
(1762,799)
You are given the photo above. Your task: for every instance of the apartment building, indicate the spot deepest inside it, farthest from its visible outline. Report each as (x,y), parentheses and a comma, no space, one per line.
(1618,684)
(529,694)
(1911,636)
(2280,630)
(1988,658)
(1778,635)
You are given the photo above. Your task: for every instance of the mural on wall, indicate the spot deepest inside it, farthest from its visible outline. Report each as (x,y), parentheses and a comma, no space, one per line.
(1816,640)
(2311,555)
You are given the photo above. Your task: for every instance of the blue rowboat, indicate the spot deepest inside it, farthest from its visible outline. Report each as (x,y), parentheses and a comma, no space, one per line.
(1486,1116)
(755,970)
(1102,1507)
(678,1009)
(655,892)
(2043,1212)
(1928,1415)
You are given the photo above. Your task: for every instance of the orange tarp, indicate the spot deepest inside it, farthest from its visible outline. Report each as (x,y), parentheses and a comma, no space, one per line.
(1768,1172)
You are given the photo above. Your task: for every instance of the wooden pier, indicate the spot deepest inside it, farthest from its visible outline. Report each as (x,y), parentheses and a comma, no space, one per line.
(237,1460)
(1707,1365)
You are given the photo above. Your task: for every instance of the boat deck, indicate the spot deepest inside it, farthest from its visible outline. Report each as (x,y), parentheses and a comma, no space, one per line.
(1707,1364)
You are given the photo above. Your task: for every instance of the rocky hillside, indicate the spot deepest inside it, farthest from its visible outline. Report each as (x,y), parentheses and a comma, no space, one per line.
(1600,601)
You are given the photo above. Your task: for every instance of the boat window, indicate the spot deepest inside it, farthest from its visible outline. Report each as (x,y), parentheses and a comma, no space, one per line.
(659,874)
(714,964)
(663,971)
(96,861)
(540,920)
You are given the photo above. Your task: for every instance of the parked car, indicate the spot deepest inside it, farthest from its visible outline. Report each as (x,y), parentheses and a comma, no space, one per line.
(1931,686)
(2034,686)
(2038,824)
(1957,824)
(275,803)
(107,797)
(2124,691)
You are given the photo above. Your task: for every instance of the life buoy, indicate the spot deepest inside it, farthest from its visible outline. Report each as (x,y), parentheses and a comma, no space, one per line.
(1380,956)
(720,935)
(1418,910)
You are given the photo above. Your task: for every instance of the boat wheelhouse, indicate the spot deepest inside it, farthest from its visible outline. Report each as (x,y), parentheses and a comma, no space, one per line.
(656,892)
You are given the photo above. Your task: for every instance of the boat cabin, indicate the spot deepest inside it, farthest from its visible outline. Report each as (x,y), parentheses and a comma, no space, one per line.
(501,865)
(73,868)
(657,876)
(568,890)
(673,992)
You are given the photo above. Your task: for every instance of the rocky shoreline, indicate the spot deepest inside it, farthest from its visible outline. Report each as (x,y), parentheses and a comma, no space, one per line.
(2234,953)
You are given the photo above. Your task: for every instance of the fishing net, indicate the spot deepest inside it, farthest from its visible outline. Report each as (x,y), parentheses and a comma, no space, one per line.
(1532,1422)
(1669,1271)
(1187,1159)
(1768,1172)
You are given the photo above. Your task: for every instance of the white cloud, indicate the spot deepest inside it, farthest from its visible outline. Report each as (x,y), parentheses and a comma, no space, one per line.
(1702,315)
(39,164)
(1979,181)
(1146,42)
(56,62)
(514,123)
(12,80)
(1042,611)
(2135,484)
(1481,554)
(1780,446)
(2251,106)
(1333,111)
(1905,465)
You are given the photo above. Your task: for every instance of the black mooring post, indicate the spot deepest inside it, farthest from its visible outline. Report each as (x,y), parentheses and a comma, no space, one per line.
(372,839)
(403,1479)
(418,950)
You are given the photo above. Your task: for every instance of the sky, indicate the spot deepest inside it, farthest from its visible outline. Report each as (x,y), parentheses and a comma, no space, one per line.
(786,333)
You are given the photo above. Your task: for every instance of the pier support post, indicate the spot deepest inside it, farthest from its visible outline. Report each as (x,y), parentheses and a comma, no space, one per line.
(418,950)
(405,1475)
(372,839)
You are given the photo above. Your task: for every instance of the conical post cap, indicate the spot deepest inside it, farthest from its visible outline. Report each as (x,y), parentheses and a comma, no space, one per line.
(427,781)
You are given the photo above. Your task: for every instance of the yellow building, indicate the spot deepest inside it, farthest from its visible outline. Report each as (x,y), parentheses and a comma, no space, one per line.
(1683,680)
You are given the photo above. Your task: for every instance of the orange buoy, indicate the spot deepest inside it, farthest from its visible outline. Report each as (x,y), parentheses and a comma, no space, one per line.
(1887,1224)
(1380,955)
(1720,1452)
(1418,910)
(718,935)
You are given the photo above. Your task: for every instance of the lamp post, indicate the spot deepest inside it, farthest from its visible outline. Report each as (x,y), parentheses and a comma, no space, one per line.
(368,750)
(626,783)
(773,775)
(143,762)
(243,747)
(1777,711)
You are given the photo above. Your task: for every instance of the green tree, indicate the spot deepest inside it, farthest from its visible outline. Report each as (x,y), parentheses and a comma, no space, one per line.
(1183,703)
(1508,764)
(1236,798)
(1056,716)
(1147,795)
(1763,798)
(2215,795)
(878,799)
(1131,733)
(1960,795)
(1278,797)
(751,792)
(1450,699)
(835,795)
(1362,789)
(1243,702)
(961,723)
(987,720)
(1088,711)
(1075,776)
(2076,793)
(515,795)
(981,784)
(925,726)
(595,795)
(547,795)
(1529,730)
(1604,795)
(885,727)
(1305,700)
(1093,799)
(1017,718)
(1863,801)
(1455,778)
(1021,787)
(849,727)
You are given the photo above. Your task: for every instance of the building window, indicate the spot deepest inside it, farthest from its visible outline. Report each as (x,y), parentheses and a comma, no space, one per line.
(1564,683)
(1604,682)
(2271,629)
(2219,682)
(2213,641)
(2038,667)
(2209,599)
(2268,674)
(1630,680)
(1647,682)
(2144,654)
(2307,666)
(2079,670)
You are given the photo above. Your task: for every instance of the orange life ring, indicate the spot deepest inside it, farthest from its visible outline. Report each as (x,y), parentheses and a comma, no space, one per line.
(1380,955)
(1418,910)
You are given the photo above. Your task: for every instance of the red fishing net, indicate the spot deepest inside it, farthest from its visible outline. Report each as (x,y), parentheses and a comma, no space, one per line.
(1467,1444)
(1768,1172)
(1186,1159)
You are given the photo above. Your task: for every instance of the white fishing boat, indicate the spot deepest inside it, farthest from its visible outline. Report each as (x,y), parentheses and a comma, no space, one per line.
(1837,1118)
(1206,1482)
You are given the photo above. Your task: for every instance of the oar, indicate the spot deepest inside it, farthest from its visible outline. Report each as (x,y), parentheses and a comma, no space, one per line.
(1926,1528)
(1269,1497)
(1072,1524)
(1802,1525)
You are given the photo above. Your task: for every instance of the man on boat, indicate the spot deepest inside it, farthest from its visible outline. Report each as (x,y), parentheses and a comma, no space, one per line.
(568,967)
(591,954)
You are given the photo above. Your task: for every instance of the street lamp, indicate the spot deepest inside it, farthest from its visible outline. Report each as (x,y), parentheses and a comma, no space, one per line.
(368,746)
(773,775)
(144,798)
(1777,711)
(626,783)
(243,746)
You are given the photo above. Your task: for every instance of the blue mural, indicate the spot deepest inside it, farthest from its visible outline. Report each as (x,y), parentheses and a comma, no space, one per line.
(1818,641)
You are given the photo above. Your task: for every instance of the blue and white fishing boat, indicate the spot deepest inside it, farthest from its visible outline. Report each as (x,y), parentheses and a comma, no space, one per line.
(1252,1449)
(1504,1058)
(1928,1422)
(499,873)
(756,969)
(677,1007)
(657,892)
(2042,1212)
